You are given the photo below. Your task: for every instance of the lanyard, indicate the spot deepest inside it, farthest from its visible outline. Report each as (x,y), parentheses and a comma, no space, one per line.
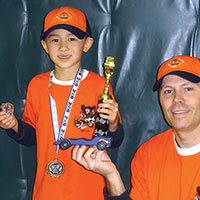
(60,133)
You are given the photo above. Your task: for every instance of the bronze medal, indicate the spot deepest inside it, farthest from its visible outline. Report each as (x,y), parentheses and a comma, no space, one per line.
(55,168)
(7,107)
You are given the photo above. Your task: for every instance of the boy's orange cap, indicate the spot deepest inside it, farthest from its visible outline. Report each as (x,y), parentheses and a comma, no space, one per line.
(187,67)
(71,19)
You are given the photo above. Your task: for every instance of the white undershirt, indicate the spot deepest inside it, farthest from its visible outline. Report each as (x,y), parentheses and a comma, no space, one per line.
(70,82)
(187,151)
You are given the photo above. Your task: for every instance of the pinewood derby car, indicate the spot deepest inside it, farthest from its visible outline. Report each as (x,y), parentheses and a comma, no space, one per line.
(100,142)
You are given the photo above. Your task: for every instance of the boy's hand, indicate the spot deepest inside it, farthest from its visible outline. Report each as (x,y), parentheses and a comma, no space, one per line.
(109,110)
(8,121)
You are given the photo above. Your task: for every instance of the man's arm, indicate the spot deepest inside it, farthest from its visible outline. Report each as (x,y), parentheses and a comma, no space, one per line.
(123,196)
(115,189)
(99,162)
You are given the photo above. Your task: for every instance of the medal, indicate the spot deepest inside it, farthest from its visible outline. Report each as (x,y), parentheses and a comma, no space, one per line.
(55,168)
(7,107)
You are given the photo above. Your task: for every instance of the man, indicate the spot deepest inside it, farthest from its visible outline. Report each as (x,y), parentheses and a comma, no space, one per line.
(168,165)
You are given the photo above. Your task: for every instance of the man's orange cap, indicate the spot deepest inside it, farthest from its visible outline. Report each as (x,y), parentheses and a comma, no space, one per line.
(187,67)
(71,19)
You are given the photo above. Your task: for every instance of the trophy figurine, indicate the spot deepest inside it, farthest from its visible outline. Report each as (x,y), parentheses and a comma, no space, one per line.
(102,125)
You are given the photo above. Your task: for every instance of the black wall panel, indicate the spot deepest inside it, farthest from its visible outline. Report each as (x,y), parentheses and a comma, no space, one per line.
(140,34)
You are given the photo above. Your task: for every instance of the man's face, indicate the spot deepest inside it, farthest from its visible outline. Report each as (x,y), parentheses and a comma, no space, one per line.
(180,102)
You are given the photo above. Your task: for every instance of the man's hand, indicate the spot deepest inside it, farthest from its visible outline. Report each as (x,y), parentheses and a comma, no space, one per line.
(93,159)
(8,121)
(99,162)
(109,109)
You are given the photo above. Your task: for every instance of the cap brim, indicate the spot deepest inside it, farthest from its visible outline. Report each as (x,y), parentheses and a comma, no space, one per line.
(77,32)
(186,75)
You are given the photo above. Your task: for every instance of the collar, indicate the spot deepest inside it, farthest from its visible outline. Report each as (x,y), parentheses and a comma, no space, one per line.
(70,82)
(187,151)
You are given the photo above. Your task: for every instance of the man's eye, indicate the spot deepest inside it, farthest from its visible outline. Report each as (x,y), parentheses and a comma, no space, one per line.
(54,40)
(188,88)
(167,91)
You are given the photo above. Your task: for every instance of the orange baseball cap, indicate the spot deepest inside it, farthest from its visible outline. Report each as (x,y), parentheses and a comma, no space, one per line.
(187,67)
(71,19)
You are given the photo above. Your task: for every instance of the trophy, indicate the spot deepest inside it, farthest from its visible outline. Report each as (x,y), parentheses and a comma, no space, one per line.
(102,125)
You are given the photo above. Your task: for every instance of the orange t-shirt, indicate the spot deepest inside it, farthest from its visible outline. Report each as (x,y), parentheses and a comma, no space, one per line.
(76,182)
(160,173)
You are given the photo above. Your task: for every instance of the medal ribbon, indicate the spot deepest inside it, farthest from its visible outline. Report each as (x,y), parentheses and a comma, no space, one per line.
(60,133)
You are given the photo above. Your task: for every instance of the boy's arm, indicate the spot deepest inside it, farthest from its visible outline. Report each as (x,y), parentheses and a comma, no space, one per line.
(26,134)
(20,131)
(109,110)
(117,136)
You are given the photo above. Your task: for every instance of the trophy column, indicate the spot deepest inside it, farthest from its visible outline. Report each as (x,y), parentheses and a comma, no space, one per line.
(102,125)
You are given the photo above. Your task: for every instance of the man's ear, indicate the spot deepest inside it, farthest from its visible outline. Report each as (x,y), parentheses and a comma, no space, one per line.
(44,45)
(88,43)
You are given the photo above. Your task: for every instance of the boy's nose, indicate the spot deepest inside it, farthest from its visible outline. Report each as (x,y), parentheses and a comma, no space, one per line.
(64,46)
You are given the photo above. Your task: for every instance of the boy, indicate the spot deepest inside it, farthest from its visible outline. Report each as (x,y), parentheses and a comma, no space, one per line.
(60,103)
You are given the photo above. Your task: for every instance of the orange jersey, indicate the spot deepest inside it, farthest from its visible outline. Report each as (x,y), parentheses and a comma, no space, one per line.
(76,182)
(160,173)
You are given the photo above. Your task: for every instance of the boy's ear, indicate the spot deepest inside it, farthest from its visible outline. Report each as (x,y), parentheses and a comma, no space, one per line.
(44,45)
(88,43)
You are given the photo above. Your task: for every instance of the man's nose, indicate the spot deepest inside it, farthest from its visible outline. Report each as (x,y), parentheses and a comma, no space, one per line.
(178,97)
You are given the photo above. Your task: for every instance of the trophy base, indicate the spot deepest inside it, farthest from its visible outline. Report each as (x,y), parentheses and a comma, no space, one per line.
(101,127)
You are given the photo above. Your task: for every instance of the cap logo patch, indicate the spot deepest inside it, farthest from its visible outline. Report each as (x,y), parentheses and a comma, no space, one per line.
(175,62)
(63,16)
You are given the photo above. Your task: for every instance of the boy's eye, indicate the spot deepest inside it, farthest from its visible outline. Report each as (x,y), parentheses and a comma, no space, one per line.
(71,39)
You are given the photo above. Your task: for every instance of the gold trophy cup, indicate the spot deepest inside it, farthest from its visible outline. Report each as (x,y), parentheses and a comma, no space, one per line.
(102,125)
(109,66)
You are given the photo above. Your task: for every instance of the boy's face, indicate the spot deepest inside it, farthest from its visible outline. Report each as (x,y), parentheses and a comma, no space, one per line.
(65,49)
